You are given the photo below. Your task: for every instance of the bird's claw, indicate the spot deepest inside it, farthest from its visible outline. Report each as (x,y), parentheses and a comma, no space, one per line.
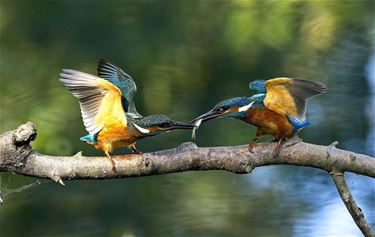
(112,162)
(113,166)
(279,146)
(291,142)
(276,153)
(135,150)
(252,146)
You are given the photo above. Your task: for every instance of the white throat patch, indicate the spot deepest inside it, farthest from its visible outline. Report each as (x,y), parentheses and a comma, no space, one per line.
(142,130)
(245,107)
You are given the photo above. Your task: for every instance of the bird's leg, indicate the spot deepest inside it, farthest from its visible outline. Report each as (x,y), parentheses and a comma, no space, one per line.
(278,147)
(135,150)
(292,141)
(111,160)
(253,143)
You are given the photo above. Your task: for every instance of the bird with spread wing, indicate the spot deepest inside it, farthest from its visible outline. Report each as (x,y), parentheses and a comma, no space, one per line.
(278,108)
(108,110)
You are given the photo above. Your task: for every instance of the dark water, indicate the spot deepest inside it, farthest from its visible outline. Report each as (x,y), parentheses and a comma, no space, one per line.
(185,56)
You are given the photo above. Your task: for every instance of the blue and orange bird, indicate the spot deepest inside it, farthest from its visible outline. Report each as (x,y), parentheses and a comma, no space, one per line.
(278,108)
(108,110)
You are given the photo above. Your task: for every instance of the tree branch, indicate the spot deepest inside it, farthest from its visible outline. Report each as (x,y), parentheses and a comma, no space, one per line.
(350,204)
(16,155)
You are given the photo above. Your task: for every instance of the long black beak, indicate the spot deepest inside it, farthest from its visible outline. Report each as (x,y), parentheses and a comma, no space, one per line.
(181,125)
(208,116)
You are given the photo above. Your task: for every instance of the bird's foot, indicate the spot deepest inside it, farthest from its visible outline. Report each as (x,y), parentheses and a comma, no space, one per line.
(278,148)
(252,145)
(112,162)
(135,150)
(276,153)
(113,166)
(292,141)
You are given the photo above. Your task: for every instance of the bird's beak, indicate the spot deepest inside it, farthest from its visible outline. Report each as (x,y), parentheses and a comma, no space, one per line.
(181,125)
(208,116)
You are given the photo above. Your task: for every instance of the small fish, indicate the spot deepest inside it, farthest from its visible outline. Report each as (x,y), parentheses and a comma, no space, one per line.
(278,108)
(196,126)
(108,110)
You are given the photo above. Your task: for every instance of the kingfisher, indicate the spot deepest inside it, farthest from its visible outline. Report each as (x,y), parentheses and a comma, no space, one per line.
(108,110)
(278,108)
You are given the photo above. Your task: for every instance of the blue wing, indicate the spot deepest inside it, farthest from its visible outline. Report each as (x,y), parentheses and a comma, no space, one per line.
(123,81)
(258,86)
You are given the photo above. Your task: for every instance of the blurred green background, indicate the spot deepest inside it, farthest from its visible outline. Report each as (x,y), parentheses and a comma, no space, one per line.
(185,56)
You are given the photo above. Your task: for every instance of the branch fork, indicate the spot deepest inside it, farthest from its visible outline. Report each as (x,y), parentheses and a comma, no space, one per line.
(17,156)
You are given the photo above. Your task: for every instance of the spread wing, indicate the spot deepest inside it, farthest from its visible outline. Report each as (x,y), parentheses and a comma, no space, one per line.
(123,81)
(288,96)
(100,101)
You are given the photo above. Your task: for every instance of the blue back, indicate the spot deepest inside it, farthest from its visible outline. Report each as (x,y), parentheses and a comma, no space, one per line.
(240,101)
(258,86)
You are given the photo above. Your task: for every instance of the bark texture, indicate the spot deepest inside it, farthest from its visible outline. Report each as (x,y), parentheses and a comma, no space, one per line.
(350,204)
(17,156)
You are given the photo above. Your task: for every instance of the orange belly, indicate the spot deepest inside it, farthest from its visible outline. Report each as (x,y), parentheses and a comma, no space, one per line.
(115,136)
(269,123)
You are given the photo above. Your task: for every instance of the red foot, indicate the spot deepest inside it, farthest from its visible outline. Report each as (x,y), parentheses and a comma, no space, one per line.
(252,146)
(278,148)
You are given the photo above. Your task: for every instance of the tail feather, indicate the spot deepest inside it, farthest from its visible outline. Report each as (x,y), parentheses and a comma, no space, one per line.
(91,138)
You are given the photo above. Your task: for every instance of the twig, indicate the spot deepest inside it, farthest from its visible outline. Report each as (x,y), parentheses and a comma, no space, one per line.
(22,188)
(350,204)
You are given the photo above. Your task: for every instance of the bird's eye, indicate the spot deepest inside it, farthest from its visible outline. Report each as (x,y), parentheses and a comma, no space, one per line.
(223,108)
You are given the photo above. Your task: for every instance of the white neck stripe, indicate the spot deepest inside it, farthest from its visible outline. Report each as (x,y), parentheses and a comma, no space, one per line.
(246,107)
(142,130)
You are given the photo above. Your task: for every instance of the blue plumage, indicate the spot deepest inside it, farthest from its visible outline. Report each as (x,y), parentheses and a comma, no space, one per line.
(258,98)
(278,108)
(123,81)
(297,124)
(258,86)
(89,138)
(241,101)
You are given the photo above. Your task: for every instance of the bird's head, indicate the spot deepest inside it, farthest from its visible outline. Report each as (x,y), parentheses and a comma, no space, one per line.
(233,107)
(154,124)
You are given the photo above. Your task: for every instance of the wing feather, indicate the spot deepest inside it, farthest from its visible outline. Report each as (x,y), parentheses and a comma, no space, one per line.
(98,98)
(288,96)
(123,81)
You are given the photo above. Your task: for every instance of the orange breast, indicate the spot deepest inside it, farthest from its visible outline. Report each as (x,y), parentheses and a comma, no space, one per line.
(269,123)
(114,135)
